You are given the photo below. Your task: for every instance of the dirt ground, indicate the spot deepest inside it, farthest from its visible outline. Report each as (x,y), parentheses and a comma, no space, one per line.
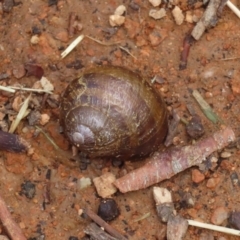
(155,45)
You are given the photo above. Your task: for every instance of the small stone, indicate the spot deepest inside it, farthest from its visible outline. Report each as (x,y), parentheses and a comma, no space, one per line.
(219,215)
(116,20)
(19,71)
(225,154)
(161,195)
(108,209)
(213,182)
(83,183)
(44,119)
(197,176)
(189,17)
(176,228)
(234,220)
(28,189)
(34,40)
(104,184)
(178,15)
(155,3)
(157,14)
(120,10)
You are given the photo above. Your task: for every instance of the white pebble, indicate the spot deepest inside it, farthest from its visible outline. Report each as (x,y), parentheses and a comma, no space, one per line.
(178,15)
(155,3)
(83,183)
(161,195)
(157,14)
(34,40)
(120,10)
(226,154)
(104,184)
(116,20)
(189,17)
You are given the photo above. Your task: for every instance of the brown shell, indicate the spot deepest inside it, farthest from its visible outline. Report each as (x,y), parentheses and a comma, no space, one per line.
(113,112)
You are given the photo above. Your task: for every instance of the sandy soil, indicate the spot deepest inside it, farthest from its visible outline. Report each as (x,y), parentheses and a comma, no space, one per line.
(213,69)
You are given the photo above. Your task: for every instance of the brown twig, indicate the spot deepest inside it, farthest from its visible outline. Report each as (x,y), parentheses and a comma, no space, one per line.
(11,226)
(97,233)
(103,224)
(12,142)
(164,165)
(187,43)
(208,20)
(71,27)
(172,128)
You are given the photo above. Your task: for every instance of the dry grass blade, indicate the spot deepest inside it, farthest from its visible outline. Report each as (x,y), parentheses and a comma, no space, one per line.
(7,89)
(31,90)
(48,138)
(207,110)
(214,227)
(72,46)
(22,113)
(233,8)
(103,43)
(127,51)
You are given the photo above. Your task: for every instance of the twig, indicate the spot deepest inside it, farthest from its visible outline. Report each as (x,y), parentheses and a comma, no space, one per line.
(97,233)
(7,89)
(146,215)
(103,43)
(72,46)
(208,20)
(233,8)
(164,165)
(31,90)
(207,110)
(172,128)
(103,224)
(22,113)
(127,51)
(48,138)
(11,226)
(187,43)
(13,143)
(214,227)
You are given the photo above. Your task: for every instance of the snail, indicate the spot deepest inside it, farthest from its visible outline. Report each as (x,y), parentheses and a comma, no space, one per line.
(113,112)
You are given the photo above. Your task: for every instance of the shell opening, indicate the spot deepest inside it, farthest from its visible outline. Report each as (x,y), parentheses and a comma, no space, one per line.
(83,135)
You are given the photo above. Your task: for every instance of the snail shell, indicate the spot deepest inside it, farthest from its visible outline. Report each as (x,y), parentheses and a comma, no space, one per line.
(113,112)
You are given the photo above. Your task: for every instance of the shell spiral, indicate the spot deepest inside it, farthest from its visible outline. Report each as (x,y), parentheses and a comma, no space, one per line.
(113,112)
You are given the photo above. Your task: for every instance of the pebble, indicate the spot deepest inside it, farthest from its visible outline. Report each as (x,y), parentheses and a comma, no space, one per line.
(108,209)
(219,215)
(19,71)
(44,119)
(28,189)
(83,183)
(176,228)
(104,184)
(197,176)
(178,15)
(157,14)
(155,3)
(116,20)
(234,220)
(189,17)
(120,10)
(34,40)
(225,154)
(161,195)
(213,182)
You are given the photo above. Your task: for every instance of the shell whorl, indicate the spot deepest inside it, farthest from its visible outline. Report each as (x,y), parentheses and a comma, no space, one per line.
(113,112)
